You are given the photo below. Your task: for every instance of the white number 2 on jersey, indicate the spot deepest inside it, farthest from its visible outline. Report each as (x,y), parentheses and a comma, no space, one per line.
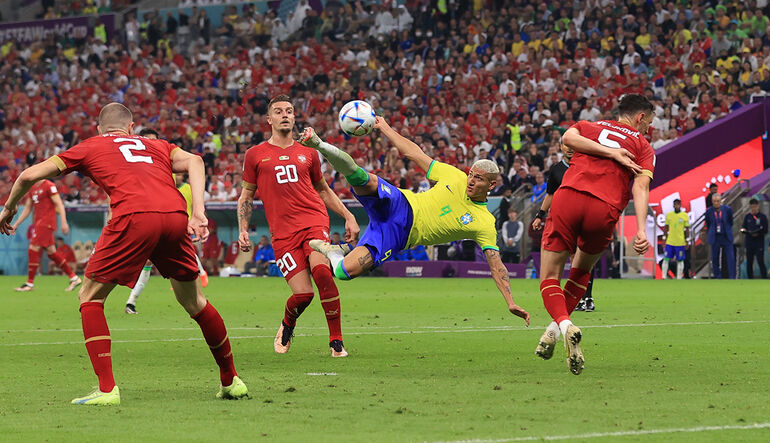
(135,145)
(604,141)
(286,174)
(286,263)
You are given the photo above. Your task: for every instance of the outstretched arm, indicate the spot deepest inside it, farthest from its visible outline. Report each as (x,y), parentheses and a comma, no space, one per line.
(333,202)
(245,206)
(503,282)
(574,140)
(405,147)
(21,186)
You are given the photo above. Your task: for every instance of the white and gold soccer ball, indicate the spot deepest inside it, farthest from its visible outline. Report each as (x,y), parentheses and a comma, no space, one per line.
(357,118)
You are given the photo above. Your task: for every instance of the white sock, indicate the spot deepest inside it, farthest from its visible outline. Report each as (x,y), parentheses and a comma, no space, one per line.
(141,282)
(555,328)
(74,278)
(679,270)
(563,325)
(665,268)
(335,257)
(200,265)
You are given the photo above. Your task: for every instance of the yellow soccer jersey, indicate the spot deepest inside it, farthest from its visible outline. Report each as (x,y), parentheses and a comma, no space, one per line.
(445,213)
(186,192)
(676,223)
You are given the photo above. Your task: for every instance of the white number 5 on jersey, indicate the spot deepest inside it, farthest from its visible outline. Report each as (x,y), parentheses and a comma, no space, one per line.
(605,141)
(135,145)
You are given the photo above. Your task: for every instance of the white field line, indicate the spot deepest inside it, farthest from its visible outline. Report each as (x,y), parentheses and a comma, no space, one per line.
(637,432)
(384,331)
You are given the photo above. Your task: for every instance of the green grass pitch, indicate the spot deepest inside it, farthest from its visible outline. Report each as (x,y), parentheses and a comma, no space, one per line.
(430,360)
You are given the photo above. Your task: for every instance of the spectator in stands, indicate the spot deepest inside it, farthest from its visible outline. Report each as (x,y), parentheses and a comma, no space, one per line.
(709,198)
(511,233)
(263,258)
(539,188)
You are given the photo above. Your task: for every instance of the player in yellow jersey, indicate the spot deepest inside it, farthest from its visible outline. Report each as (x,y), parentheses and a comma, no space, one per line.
(677,229)
(186,191)
(454,209)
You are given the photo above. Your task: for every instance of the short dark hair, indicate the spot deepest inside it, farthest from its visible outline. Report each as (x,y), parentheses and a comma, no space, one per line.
(753,201)
(279,98)
(678,201)
(149,131)
(713,185)
(632,104)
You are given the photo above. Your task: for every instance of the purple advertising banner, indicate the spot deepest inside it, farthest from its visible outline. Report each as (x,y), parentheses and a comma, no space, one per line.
(73,27)
(433,269)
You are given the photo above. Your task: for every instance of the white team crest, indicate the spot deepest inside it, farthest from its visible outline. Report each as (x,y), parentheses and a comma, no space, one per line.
(302,158)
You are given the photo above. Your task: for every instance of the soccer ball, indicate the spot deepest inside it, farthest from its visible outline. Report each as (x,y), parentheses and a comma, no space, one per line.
(357,118)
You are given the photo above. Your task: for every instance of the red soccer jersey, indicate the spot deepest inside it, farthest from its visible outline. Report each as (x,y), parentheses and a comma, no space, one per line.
(134,171)
(45,211)
(604,178)
(285,180)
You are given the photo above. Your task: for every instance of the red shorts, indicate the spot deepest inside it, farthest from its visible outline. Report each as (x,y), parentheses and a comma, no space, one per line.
(41,236)
(291,254)
(128,241)
(578,219)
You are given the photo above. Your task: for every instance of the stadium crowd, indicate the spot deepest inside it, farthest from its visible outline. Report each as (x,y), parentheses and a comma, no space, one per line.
(465,80)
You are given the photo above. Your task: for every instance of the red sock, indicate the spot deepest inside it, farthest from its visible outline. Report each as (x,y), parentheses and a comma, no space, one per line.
(330,299)
(553,299)
(295,305)
(58,258)
(215,334)
(98,341)
(575,287)
(34,262)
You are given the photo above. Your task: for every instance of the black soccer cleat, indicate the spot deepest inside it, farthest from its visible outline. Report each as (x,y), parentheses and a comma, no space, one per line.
(337,348)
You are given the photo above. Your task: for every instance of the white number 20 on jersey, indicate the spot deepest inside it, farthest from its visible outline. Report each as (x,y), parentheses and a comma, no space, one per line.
(286,174)
(605,141)
(134,145)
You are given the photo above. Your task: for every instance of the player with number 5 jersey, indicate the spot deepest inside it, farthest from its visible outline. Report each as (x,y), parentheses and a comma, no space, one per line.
(612,161)
(295,195)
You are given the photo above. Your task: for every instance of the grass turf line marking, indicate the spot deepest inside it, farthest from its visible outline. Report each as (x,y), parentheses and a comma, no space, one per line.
(637,432)
(321,373)
(455,330)
(484,328)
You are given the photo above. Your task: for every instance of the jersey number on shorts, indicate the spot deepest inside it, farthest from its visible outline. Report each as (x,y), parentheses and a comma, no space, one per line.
(286,263)
(604,141)
(135,145)
(286,174)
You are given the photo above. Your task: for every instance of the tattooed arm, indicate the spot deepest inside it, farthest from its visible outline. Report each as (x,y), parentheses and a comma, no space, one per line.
(245,205)
(500,275)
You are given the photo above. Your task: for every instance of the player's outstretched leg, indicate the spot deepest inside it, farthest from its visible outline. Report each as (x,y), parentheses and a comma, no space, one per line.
(139,286)
(362,182)
(191,298)
(32,264)
(58,258)
(98,344)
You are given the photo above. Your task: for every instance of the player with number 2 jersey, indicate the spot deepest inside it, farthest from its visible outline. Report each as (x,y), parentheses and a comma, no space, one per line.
(295,195)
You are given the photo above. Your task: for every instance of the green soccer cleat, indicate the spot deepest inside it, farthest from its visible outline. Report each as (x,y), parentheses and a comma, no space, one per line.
(99,398)
(575,360)
(235,391)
